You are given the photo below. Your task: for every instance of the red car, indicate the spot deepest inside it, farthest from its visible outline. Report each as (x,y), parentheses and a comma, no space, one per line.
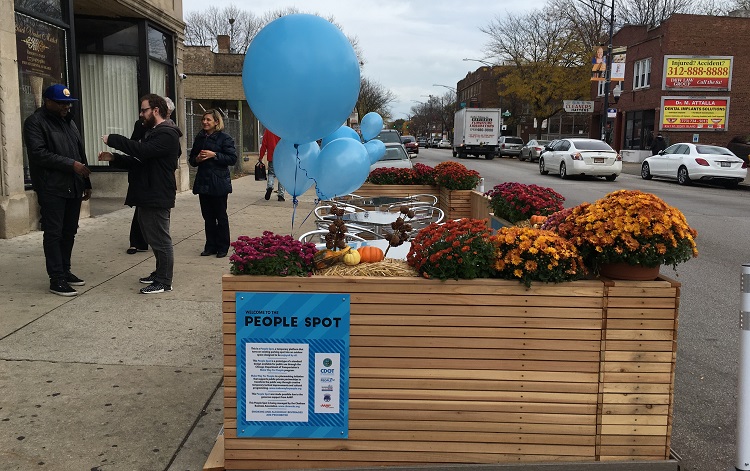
(410,143)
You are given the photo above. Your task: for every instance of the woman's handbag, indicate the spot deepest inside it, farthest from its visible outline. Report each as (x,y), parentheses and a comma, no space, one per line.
(260,171)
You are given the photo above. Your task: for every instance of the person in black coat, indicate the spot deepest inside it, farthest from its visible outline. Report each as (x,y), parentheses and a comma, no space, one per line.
(740,147)
(213,152)
(658,145)
(152,188)
(60,177)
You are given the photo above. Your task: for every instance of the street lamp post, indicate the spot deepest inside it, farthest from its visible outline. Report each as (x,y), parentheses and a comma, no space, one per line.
(608,73)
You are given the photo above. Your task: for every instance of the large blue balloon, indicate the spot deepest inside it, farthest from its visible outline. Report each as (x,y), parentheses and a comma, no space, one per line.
(301,77)
(341,168)
(371,125)
(375,150)
(292,166)
(343,131)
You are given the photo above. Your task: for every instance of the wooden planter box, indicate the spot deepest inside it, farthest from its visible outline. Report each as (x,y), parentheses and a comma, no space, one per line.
(498,223)
(368,189)
(455,203)
(483,371)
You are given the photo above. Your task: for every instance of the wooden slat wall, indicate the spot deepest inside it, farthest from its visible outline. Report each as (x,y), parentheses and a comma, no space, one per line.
(483,371)
(368,189)
(637,375)
(480,206)
(455,203)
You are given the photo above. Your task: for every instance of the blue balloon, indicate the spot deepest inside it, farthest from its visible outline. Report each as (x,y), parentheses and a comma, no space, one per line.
(292,166)
(301,77)
(371,125)
(342,167)
(343,131)
(375,150)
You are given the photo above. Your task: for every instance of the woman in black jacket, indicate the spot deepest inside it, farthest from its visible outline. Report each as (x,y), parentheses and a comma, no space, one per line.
(213,153)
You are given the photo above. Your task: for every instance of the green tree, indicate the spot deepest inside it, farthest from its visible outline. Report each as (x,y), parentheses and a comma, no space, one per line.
(545,63)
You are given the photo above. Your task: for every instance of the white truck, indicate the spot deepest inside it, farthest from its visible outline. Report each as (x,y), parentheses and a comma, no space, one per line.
(476,131)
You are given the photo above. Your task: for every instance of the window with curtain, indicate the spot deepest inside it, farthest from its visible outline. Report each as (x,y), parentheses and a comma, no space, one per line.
(158,75)
(642,74)
(109,99)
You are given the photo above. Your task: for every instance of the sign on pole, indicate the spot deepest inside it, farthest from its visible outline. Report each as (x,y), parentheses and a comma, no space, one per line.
(292,365)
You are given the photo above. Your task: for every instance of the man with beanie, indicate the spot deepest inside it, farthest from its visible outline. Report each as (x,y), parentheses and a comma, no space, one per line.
(60,177)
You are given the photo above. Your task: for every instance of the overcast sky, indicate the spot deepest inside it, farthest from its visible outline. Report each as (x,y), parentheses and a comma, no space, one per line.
(407,45)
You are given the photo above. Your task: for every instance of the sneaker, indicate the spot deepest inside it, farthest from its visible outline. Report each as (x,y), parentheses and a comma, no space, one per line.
(268,193)
(73,280)
(62,288)
(281,198)
(156,287)
(147,280)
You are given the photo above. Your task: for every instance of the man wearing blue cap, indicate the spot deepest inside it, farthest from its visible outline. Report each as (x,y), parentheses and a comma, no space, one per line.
(60,176)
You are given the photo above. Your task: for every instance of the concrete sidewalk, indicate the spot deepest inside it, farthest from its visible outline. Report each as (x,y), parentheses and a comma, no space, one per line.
(112,379)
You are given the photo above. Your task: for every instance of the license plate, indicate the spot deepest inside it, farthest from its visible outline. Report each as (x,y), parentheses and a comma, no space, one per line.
(726,164)
(598,160)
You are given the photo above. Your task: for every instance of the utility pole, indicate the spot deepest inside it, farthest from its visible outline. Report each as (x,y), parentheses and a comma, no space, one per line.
(608,73)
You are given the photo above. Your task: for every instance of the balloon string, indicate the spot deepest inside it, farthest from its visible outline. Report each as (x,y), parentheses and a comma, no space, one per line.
(295,201)
(317,202)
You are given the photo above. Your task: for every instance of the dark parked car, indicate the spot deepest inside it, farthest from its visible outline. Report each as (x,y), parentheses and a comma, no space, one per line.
(389,136)
(422,142)
(410,142)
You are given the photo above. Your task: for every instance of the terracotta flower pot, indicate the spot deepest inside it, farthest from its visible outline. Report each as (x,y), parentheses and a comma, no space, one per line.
(625,271)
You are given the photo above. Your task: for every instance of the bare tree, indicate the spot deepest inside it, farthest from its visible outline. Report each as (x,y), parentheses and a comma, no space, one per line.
(374,97)
(201,28)
(655,12)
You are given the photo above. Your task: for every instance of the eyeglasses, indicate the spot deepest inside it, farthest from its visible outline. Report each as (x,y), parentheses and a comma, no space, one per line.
(143,110)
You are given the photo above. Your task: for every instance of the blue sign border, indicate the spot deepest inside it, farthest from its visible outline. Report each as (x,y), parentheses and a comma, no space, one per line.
(290,318)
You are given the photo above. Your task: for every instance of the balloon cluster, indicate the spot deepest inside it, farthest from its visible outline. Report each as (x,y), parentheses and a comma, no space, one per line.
(301,79)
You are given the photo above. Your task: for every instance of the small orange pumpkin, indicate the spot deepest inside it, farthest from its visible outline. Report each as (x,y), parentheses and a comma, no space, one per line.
(536,219)
(370,254)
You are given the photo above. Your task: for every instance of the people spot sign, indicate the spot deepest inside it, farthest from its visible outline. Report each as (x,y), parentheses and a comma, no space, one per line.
(292,365)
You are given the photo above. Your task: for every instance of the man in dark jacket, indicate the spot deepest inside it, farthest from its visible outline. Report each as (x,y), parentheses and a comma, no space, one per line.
(740,147)
(151,163)
(60,176)
(658,145)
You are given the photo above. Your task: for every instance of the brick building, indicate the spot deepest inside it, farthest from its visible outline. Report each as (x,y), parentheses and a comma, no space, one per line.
(109,53)
(481,89)
(214,80)
(706,41)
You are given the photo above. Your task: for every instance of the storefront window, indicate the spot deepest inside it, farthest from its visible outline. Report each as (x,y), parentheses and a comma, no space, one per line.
(158,45)
(49,8)
(639,127)
(106,37)
(42,51)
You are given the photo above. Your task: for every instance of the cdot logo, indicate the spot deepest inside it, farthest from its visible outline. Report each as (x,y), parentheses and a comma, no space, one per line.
(327,362)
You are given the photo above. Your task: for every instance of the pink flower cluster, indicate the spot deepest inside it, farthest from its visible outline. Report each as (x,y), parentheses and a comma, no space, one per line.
(272,255)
